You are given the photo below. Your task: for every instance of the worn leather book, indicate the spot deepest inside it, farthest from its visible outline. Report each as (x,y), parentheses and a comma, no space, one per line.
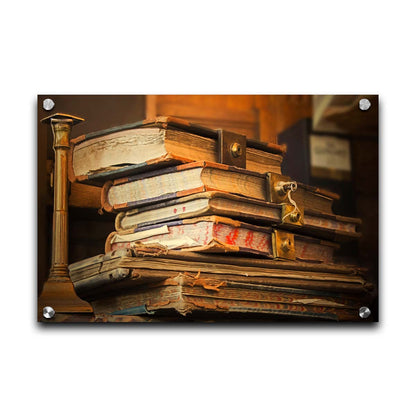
(156,263)
(222,235)
(185,295)
(315,223)
(150,144)
(330,226)
(147,280)
(200,204)
(174,182)
(165,184)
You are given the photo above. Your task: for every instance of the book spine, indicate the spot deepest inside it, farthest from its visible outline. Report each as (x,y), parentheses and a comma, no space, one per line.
(118,221)
(104,197)
(84,287)
(71,174)
(322,222)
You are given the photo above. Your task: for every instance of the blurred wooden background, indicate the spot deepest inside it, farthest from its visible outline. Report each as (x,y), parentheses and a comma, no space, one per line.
(259,117)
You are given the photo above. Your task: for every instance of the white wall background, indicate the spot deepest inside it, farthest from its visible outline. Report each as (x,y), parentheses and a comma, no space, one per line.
(215,47)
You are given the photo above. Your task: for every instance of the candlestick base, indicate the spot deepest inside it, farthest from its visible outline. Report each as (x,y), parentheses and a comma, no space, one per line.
(59,293)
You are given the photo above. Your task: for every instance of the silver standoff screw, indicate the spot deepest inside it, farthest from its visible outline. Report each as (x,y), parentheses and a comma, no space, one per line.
(364,104)
(364,312)
(48,312)
(48,104)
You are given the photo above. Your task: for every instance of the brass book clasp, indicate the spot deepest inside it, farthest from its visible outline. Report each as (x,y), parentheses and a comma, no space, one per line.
(283,245)
(231,149)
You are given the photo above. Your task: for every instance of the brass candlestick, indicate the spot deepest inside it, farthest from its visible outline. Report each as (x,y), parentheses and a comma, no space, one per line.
(58,291)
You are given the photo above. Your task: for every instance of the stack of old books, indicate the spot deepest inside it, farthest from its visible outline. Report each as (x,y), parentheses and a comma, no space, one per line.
(196,239)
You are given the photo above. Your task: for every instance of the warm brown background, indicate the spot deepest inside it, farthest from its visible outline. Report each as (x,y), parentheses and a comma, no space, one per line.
(261,117)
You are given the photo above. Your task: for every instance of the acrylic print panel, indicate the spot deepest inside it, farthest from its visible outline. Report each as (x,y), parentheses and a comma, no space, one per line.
(281,232)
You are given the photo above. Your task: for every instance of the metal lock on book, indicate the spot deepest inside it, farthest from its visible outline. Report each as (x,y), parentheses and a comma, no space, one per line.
(292,215)
(283,244)
(232,148)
